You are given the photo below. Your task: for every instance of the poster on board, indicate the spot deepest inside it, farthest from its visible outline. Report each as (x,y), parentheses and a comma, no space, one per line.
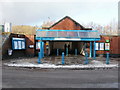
(37,45)
(19,45)
(23,45)
(101,46)
(97,46)
(107,46)
(15,45)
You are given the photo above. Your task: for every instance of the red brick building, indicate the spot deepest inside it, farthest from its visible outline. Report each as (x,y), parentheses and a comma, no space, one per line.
(65,23)
(68,23)
(8,45)
(114,41)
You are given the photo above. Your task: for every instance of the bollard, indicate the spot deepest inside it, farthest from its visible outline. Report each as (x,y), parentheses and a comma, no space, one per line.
(57,52)
(66,51)
(86,58)
(94,55)
(63,58)
(107,58)
(39,58)
(75,52)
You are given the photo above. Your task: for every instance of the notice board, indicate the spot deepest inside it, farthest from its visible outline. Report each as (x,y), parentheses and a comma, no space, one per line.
(18,43)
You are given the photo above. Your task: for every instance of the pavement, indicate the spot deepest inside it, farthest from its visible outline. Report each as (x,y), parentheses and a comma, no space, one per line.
(74,74)
(71,62)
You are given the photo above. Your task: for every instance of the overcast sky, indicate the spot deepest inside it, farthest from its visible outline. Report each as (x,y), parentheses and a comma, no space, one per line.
(35,12)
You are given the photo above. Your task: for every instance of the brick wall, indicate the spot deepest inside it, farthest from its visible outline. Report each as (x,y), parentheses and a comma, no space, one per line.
(66,24)
(8,45)
(30,40)
(114,44)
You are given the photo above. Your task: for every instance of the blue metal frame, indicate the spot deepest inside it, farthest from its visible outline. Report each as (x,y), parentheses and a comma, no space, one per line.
(67,51)
(39,58)
(46,37)
(75,52)
(63,62)
(107,58)
(70,30)
(57,52)
(42,49)
(78,39)
(86,58)
(94,54)
(90,49)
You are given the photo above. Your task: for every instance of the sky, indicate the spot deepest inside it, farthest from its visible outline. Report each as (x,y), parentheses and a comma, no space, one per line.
(35,12)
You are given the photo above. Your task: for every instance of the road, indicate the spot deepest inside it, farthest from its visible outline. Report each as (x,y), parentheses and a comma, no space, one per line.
(50,78)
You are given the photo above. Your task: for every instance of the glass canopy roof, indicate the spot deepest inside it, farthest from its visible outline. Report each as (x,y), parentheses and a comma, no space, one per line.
(67,34)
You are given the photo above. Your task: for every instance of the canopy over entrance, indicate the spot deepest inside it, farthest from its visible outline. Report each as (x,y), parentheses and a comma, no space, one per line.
(68,35)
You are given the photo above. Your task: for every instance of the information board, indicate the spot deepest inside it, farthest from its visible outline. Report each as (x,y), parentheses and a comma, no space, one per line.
(97,46)
(37,45)
(107,46)
(101,46)
(18,43)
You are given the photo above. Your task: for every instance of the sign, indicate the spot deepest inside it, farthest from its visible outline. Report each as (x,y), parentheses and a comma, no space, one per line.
(31,46)
(7,27)
(97,46)
(107,46)
(107,40)
(10,52)
(18,43)
(37,45)
(47,43)
(101,46)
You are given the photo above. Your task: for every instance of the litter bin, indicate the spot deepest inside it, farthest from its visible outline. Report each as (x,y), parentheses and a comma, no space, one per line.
(10,52)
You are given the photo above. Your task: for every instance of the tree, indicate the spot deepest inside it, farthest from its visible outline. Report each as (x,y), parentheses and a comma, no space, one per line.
(109,29)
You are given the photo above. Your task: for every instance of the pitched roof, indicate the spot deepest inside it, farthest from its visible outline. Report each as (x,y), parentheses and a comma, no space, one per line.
(70,19)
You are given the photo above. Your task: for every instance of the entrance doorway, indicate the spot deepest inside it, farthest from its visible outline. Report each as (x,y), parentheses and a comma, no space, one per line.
(63,45)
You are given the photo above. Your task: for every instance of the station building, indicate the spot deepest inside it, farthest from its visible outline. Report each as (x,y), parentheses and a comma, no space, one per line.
(66,36)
